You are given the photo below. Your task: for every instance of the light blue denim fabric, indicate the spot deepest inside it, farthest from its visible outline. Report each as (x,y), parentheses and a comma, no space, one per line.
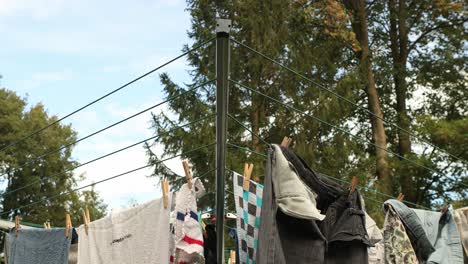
(436,238)
(39,246)
(414,228)
(443,233)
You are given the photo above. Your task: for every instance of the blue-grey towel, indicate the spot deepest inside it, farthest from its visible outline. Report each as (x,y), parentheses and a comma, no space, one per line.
(39,246)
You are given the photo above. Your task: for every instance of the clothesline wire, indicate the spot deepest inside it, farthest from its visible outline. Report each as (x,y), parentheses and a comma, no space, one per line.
(110,93)
(249,130)
(372,190)
(104,180)
(110,126)
(322,87)
(348,183)
(247,149)
(111,153)
(338,128)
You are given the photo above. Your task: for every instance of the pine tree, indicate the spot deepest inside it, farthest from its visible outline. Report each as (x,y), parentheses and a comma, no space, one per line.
(51,176)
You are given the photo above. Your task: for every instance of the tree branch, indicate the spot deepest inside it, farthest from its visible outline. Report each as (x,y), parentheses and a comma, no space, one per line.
(430,30)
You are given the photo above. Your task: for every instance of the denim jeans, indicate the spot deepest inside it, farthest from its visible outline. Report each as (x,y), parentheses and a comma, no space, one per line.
(340,238)
(282,238)
(434,235)
(344,229)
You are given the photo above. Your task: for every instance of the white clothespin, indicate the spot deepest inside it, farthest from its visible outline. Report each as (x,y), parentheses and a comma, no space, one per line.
(231,216)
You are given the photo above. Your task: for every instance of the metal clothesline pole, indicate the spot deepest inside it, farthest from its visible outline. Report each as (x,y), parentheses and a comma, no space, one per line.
(223,27)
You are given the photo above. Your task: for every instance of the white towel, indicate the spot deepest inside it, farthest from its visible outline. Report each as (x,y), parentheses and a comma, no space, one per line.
(138,235)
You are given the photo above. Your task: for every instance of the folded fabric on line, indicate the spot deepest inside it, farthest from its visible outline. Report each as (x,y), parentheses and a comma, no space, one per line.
(138,235)
(38,246)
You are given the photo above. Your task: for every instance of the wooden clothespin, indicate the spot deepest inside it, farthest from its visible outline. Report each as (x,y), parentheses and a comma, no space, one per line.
(247,174)
(86,220)
(188,174)
(17,225)
(286,142)
(400,197)
(47,225)
(232,257)
(68,225)
(165,189)
(352,187)
(204,229)
(444,209)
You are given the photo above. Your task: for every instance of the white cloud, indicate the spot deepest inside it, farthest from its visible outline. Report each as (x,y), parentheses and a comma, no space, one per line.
(135,186)
(41,78)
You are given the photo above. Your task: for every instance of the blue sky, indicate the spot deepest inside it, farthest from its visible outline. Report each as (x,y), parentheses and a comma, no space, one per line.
(67,53)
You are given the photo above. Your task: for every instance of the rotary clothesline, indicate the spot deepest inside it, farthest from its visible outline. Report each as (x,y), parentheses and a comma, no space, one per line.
(220,121)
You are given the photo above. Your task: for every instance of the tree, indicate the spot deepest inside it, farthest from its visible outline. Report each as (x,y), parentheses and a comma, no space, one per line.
(342,49)
(50,176)
(289,32)
(361,30)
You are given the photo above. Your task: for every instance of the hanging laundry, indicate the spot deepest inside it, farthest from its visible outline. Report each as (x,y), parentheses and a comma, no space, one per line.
(461,218)
(6,248)
(38,246)
(282,238)
(233,235)
(398,248)
(375,235)
(209,247)
(137,235)
(248,209)
(188,235)
(377,253)
(434,235)
(301,236)
(344,229)
(73,253)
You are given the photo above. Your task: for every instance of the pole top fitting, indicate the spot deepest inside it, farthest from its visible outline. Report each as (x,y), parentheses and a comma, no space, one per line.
(223,25)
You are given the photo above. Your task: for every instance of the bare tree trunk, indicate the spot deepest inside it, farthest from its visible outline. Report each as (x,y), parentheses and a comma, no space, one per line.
(360,28)
(255,121)
(399,49)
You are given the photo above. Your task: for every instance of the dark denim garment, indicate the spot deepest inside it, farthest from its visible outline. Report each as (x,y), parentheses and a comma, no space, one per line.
(282,238)
(286,239)
(344,229)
